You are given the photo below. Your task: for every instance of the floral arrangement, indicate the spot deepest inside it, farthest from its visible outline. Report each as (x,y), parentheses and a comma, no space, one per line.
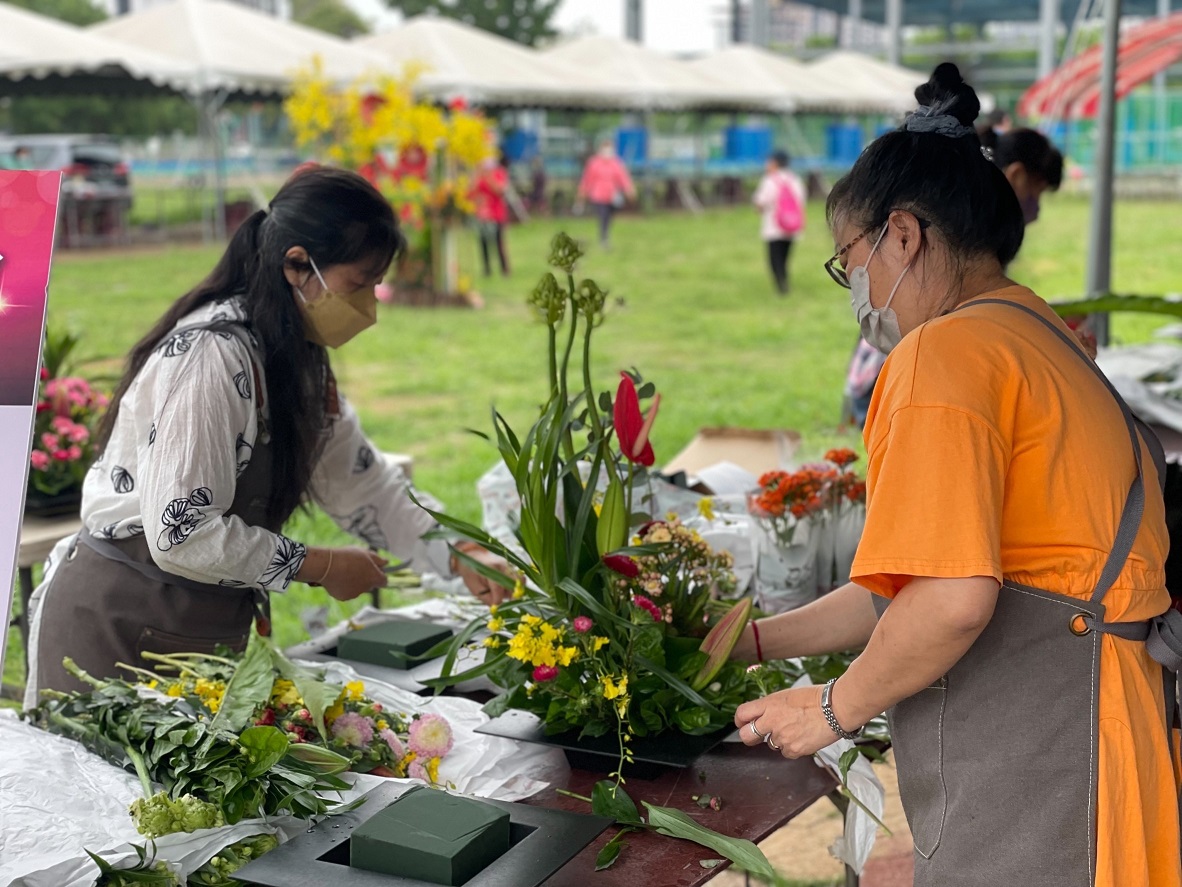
(785,498)
(68,409)
(608,627)
(373,739)
(421,156)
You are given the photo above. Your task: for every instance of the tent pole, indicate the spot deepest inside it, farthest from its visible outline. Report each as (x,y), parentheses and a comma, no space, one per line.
(1099,280)
(1049,12)
(894,23)
(634,20)
(854,23)
(213,104)
(760,23)
(1159,93)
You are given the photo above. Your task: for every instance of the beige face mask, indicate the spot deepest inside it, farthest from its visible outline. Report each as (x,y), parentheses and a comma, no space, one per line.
(335,318)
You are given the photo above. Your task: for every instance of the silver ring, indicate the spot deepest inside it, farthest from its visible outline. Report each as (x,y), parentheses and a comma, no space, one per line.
(770,744)
(755,730)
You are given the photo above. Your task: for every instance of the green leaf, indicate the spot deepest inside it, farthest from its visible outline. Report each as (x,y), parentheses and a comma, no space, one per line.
(612,530)
(718,644)
(675,683)
(1169,305)
(266,747)
(611,851)
(248,690)
(847,759)
(692,720)
(318,694)
(648,641)
(742,853)
(609,799)
(495,576)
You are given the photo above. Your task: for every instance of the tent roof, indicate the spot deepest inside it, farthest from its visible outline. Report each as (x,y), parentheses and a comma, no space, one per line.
(865,79)
(949,12)
(644,78)
(39,54)
(465,61)
(235,48)
(809,88)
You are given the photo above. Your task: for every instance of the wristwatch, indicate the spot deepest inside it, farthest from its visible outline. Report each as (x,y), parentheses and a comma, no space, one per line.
(827,710)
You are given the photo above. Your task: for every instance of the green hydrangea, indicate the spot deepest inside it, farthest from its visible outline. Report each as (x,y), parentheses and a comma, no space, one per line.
(161,815)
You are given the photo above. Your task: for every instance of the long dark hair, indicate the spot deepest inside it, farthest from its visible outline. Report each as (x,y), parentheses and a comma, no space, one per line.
(1028,147)
(340,219)
(943,179)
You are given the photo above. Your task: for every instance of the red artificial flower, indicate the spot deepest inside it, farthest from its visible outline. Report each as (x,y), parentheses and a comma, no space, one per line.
(632,428)
(459,103)
(544,673)
(622,564)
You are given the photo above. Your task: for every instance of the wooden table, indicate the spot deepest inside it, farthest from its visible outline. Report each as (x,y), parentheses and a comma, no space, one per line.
(760,792)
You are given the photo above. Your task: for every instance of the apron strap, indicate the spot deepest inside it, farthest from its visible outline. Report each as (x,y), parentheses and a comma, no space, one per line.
(1134,507)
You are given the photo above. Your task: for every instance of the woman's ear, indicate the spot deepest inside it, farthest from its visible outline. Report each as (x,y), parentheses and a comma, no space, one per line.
(910,236)
(296,266)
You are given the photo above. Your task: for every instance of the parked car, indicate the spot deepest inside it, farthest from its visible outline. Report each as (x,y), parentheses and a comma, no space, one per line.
(92,166)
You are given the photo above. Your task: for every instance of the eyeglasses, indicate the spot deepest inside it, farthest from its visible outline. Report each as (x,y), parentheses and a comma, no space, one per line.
(835,270)
(838,273)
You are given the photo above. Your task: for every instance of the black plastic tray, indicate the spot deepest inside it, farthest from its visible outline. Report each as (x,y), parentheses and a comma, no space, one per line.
(651,754)
(542,842)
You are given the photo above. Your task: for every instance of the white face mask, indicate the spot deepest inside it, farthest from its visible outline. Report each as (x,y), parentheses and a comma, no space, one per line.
(880,326)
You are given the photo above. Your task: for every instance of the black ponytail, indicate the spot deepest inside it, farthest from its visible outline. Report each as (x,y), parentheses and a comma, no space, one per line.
(938,172)
(1028,147)
(339,218)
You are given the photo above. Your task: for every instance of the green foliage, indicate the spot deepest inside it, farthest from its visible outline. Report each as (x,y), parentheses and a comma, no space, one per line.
(161,815)
(219,870)
(76,12)
(145,871)
(121,116)
(333,16)
(522,21)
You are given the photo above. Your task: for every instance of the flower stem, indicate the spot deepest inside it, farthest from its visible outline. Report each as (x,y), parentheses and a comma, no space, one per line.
(574,795)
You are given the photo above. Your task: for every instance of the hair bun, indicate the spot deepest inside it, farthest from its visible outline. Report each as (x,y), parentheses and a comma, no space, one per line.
(947,93)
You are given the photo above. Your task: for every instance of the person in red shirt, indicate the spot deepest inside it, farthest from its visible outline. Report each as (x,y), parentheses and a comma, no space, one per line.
(605,185)
(492,211)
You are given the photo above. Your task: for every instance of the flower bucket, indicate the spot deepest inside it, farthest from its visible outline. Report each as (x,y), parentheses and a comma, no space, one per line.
(824,525)
(785,565)
(847,533)
(38,504)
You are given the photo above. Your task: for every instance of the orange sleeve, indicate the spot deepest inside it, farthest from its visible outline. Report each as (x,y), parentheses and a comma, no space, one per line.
(936,484)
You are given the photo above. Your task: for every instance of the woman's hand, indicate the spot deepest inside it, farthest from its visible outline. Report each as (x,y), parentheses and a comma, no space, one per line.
(792,717)
(352,572)
(482,588)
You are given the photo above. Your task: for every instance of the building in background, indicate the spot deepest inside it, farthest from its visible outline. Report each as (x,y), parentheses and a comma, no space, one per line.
(795,27)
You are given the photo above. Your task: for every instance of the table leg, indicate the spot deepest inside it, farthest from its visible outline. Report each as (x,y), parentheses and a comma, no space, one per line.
(26,583)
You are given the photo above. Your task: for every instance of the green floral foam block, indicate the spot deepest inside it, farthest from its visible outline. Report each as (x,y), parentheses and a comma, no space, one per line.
(392,644)
(432,836)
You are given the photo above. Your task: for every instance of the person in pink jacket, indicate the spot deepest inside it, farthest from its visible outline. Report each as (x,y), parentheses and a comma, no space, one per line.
(605,185)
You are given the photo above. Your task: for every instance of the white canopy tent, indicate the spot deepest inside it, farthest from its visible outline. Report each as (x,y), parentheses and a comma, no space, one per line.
(460,61)
(809,89)
(868,81)
(234,49)
(634,76)
(39,54)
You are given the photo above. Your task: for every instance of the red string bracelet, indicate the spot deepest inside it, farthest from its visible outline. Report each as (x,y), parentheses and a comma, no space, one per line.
(758,646)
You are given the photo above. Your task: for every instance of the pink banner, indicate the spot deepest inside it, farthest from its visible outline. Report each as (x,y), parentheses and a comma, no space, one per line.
(28,217)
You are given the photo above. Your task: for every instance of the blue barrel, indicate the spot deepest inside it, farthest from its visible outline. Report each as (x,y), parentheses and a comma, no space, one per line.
(843,143)
(632,144)
(747,144)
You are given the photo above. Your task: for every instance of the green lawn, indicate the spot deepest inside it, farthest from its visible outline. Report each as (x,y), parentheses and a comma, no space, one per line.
(697,316)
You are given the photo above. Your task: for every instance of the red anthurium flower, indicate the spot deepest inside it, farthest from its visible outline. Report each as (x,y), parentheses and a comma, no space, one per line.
(632,428)
(622,564)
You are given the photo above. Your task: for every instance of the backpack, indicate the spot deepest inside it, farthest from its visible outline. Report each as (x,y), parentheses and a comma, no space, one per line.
(789,216)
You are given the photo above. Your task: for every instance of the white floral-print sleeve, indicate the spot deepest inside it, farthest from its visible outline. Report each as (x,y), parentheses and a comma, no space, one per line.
(195,429)
(370,499)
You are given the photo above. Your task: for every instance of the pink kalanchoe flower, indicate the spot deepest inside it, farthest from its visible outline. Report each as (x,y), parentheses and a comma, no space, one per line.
(430,736)
(648,606)
(353,729)
(544,673)
(391,739)
(583,624)
(39,459)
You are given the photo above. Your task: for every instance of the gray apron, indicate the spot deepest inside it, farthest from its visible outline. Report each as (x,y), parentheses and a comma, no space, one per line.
(998,759)
(108,601)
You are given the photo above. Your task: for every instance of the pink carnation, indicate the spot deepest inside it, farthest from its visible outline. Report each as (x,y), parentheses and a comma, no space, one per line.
(353,729)
(583,624)
(75,452)
(79,434)
(39,460)
(61,455)
(61,424)
(430,736)
(50,441)
(391,739)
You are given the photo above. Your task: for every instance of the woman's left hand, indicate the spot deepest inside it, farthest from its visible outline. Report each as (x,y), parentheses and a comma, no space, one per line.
(794,719)
(483,589)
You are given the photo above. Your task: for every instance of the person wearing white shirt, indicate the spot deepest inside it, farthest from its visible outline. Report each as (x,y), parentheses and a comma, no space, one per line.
(227,420)
(780,199)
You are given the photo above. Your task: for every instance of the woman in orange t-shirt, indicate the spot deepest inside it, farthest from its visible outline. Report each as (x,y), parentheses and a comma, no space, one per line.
(1015,527)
